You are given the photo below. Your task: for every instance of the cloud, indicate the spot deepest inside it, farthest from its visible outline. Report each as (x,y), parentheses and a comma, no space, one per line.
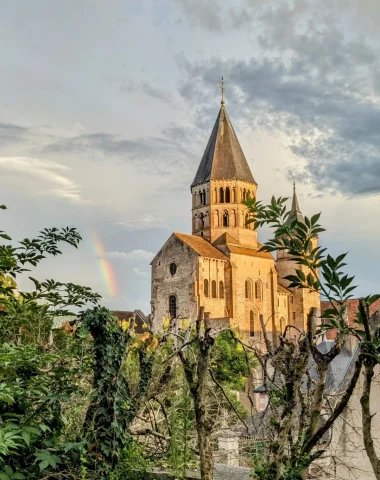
(140,273)
(148,89)
(10,133)
(160,154)
(217,16)
(317,85)
(50,178)
(135,256)
(145,222)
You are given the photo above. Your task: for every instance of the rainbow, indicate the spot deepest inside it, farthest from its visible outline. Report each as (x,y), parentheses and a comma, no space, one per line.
(105,267)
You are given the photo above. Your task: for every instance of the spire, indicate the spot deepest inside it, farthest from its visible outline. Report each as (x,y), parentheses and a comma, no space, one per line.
(223,158)
(295,212)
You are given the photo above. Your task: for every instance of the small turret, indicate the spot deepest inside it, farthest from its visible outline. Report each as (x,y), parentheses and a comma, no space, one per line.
(301,300)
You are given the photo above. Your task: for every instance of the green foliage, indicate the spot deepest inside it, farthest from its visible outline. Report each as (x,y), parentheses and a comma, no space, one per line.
(40,371)
(229,362)
(298,239)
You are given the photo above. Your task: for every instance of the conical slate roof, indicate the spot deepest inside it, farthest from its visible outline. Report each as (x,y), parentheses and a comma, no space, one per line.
(223,158)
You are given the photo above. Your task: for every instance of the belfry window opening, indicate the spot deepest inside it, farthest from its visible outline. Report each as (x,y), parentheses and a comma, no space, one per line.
(228,195)
(221,195)
(203,197)
(225,219)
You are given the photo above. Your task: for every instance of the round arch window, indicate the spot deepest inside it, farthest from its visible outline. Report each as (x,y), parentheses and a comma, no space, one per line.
(173,268)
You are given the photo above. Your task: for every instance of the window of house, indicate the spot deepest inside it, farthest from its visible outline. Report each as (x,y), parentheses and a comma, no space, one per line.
(173,268)
(251,324)
(294,315)
(173,306)
(248,289)
(206,288)
(258,290)
(221,290)
(213,289)
(291,299)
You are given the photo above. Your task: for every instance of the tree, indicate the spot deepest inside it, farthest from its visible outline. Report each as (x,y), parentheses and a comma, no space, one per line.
(200,349)
(299,412)
(37,378)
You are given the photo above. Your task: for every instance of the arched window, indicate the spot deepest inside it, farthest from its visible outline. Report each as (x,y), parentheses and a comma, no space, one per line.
(248,289)
(205,288)
(202,217)
(221,290)
(258,290)
(173,306)
(251,324)
(225,219)
(221,195)
(228,195)
(248,195)
(213,289)
(216,218)
(244,194)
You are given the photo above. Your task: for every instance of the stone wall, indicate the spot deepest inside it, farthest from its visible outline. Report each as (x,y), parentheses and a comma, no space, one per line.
(182,284)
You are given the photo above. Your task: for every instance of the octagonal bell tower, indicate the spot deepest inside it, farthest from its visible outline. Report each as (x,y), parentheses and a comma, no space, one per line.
(223,180)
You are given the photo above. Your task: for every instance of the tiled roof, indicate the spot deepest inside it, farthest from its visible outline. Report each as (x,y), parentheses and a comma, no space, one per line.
(223,158)
(201,246)
(249,251)
(352,309)
(282,289)
(226,239)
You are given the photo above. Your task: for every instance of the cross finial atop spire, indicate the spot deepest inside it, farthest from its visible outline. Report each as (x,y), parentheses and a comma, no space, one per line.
(294,186)
(223,89)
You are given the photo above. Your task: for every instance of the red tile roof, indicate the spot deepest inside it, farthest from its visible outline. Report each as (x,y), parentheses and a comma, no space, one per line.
(352,308)
(201,246)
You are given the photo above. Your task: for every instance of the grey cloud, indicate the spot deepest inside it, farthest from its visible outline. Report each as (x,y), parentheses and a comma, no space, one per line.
(215,17)
(10,133)
(320,93)
(163,155)
(147,89)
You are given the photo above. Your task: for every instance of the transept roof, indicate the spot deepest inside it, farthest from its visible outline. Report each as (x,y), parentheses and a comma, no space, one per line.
(200,246)
(223,158)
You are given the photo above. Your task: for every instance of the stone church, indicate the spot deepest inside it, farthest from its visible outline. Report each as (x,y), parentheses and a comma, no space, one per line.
(219,265)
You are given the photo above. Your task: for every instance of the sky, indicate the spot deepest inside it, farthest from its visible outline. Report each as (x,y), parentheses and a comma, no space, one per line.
(106,107)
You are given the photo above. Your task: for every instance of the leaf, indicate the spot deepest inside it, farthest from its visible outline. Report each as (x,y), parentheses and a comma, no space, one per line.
(44,464)
(26,436)
(4,476)
(44,428)
(18,476)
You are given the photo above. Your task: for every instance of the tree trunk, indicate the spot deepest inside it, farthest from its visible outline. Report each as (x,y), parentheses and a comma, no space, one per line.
(205,453)
(367,418)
